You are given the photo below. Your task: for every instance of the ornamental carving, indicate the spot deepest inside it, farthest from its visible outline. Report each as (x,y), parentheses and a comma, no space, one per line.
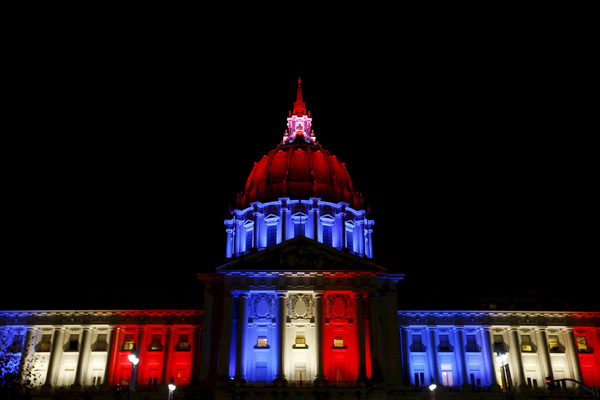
(301,306)
(338,306)
(262,306)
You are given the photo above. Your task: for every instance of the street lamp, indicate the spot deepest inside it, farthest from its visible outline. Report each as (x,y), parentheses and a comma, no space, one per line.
(501,357)
(172,387)
(134,360)
(432,387)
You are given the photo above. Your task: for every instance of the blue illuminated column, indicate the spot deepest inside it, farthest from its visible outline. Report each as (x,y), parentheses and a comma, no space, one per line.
(432,353)
(242,322)
(281,317)
(460,349)
(488,355)
(225,344)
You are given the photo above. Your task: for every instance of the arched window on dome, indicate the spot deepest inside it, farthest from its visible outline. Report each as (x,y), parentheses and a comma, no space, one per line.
(299,220)
(272,223)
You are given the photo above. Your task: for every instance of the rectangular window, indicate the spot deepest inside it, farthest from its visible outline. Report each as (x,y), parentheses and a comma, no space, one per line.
(349,240)
(447,375)
(249,239)
(128,342)
(101,344)
(553,344)
(499,344)
(582,345)
(73,343)
(184,342)
(327,235)
(271,235)
(444,343)
(45,343)
(417,344)
(419,379)
(300,341)
(299,228)
(338,342)
(526,345)
(472,343)
(262,342)
(155,344)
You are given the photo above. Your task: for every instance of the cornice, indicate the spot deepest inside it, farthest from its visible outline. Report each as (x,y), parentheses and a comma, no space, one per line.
(101,317)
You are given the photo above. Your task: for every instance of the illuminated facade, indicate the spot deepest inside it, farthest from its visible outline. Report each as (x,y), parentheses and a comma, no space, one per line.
(301,310)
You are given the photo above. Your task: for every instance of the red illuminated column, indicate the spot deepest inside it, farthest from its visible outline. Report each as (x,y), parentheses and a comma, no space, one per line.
(111,359)
(167,358)
(360,336)
(320,377)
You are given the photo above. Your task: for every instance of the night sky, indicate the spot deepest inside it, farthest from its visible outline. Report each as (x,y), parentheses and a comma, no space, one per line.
(125,163)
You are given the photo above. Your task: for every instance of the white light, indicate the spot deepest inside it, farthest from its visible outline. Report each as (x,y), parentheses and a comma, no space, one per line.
(133,359)
(172,386)
(432,387)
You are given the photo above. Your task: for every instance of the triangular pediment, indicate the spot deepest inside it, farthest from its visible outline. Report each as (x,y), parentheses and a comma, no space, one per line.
(300,254)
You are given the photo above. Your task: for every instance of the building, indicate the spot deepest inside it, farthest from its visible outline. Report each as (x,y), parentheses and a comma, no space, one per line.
(301,310)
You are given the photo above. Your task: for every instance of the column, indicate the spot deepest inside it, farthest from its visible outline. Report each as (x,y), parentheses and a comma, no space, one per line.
(281,316)
(225,340)
(406,373)
(488,355)
(229,243)
(573,356)
(515,355)
(111,357)
(432,353)
(23,366)
(460,352)
(320,377)
(84,356)
(258,222)
(242,323)
(284,213)
(374,335)
(543,353)
(360,336)
(207,350)
(57,350)
(167,357)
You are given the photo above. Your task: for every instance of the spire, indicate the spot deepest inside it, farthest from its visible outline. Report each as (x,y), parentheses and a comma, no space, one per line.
(299,106)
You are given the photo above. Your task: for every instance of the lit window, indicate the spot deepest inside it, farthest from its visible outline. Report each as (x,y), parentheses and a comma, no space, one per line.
(338,342)
(262,342)
(128,342)
(553,343)
(582,345)
(184,343)
(155,345)
(45,343)
(526,343)
(300,341)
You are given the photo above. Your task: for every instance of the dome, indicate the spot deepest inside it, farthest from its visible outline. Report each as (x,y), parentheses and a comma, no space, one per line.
(300,171)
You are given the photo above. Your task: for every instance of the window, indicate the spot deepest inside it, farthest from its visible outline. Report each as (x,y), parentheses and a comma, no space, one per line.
(249,239)
(45,343)
(553,344)
(350,239)
(101,344)
(299,227)
(155,344)
(419,379)
(262,342)
(271,235)
(526,345)
(128,342)
(338,342)
(582,345)
(499,344)
(184,343)
(327,235)
(300,341)
(472,343)
(73,343)
(447,374)
(444,343)
(417,344)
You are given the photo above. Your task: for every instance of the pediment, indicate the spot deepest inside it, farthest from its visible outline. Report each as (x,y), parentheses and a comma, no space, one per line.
(300,254)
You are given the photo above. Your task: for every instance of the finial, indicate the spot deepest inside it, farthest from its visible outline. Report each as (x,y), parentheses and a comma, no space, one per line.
(299,81)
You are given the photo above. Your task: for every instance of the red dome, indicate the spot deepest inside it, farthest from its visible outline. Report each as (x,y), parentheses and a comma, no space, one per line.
(300,171)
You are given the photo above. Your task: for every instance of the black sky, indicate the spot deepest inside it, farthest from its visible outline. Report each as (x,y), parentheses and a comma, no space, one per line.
(125,162)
